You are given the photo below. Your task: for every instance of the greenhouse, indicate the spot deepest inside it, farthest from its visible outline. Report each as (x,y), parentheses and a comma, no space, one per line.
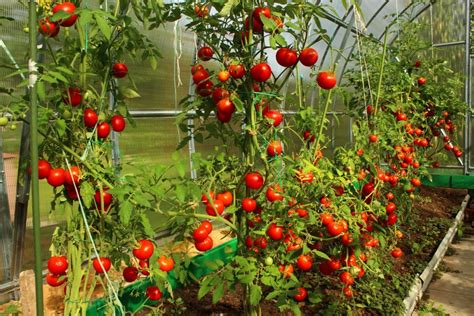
(225,157)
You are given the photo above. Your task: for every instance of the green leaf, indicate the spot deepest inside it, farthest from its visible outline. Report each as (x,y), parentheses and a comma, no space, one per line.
(255,294)
(147,226)
(41,90)
(60,126)
(321,254)
(218,293)
(125,212)
(180,192)
(230,4)
(128,93)
(103,26)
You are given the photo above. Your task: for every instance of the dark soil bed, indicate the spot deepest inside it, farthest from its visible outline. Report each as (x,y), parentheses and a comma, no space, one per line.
(432,217)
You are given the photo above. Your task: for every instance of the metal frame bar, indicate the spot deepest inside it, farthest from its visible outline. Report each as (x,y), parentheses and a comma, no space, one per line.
(467,91)
(449,44)
(5,221)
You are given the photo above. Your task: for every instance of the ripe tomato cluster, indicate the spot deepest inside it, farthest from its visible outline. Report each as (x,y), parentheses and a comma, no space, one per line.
(51,29)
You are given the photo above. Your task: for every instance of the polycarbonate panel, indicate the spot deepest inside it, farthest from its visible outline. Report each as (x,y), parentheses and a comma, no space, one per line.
(449,20)
(455,56)
(160,88)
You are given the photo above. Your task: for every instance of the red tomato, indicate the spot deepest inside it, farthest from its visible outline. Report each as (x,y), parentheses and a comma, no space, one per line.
(287,271)
(145,251)
(153,293)
(219,94)
(166,264)
(119,70)
(304,262)
(204,89)
(201,11)
(226,106)
(261,242)
(118,123)
(392,219)
(326,219)
(301,212)
(56,177)
(346,278)
(418,64)
(416,182)
(71,192)
(207,226)
(223,117)
(48,28)
(55,280)
(67,7)
(73,97)
(308,136)
(261,72)
(302,294)
(106,196)
(254,180)
(205,53)
(130,274)
(256,14)
(237,71)
(286,57)
(103,130)
(215,206)
(326,80)
(275,232)
(58,265)
(347,239)
(274,148)
(421,81)
(396,253)
(324,268)
(249,205)
(144,265)
(200,233)
(334,264)
(309,56)
(390,196)
(105,267)
(401,117)
(204,245)
(44,168)
(335,229)
(204,198)
(196,68)
(226,198)
(200,76)
(223,76)
(391,207)
(274,193)
(347,291)
(274,116)
(90,118)
(72,176)
(373,138)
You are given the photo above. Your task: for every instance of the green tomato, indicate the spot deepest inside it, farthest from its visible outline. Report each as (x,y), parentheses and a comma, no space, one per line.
(268,261)
(13,127)
(67,114)
(3,121)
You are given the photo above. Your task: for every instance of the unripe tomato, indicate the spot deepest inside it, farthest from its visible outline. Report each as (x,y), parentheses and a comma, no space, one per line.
(145,250)
(119,70)
(326,80)
(103,130)
(118,123)
(153,293)
(56,177)
(204,245)
(268,261)
(286,57)
(308,56)
(130,274)
(44,168)
(90,118)
(58,265)
(254,180)
(105,267)
(223,76)
(3,121)
(205,53)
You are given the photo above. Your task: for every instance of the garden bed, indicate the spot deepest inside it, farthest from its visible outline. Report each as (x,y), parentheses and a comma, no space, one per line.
(433,215)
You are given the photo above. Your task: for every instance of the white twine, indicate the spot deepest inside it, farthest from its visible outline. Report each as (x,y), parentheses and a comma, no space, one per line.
(362,60)
(33,73)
